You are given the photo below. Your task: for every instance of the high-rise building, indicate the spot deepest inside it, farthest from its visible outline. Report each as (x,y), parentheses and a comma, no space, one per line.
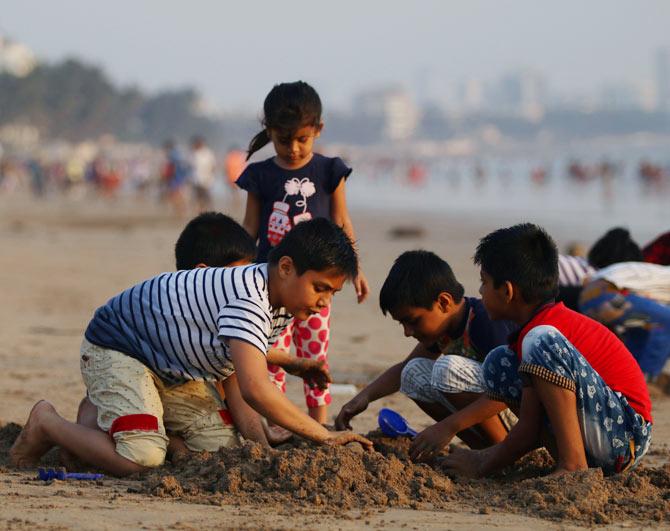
(522,92)
(399,113)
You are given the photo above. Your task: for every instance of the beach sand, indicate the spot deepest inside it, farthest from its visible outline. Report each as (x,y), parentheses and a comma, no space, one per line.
(59,261)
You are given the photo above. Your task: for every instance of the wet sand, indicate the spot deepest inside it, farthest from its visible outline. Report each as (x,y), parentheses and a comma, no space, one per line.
(60,261)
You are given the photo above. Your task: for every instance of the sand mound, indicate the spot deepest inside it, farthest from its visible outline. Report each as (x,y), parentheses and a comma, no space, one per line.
(317,479)
(586,497)
(331,479)
(335,478)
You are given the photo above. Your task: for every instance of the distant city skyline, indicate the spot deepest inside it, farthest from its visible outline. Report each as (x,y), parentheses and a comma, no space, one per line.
(233,54)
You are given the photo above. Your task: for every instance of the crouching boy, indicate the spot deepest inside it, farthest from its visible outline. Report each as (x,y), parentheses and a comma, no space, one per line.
(443,373)
(578,390)
(147,351)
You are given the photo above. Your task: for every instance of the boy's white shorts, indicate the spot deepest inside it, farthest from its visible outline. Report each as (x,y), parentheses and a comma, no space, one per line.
(431,381)
(136,407)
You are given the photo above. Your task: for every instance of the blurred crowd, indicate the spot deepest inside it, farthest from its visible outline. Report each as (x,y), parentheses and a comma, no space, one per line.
(180,176)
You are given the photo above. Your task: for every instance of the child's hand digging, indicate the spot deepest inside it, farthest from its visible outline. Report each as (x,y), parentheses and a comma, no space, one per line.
(313,371)
(340,438)
(356,405)
(430,442)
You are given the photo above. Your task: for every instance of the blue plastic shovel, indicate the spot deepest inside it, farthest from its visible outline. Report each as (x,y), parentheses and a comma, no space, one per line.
(46,474)
(393,424)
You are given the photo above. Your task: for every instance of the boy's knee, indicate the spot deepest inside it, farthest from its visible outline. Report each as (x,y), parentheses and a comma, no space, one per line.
(139,439)
(211,432)
(498,359)
(500,374)
(142,448)
(416,377)
(542,339)
(457,374)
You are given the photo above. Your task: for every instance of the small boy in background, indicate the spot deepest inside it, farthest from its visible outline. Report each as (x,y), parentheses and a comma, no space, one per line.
(577,389)
(443,373)
(148,352)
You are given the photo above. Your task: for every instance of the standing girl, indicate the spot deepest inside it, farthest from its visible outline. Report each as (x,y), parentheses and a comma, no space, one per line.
(293,186)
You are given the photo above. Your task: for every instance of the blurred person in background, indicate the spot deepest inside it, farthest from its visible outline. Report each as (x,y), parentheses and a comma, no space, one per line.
(631,297)
(203,167)
(174,178)
(658,251)
(234,164)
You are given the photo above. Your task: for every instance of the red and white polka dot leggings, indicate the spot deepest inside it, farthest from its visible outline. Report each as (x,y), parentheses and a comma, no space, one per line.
(310,338)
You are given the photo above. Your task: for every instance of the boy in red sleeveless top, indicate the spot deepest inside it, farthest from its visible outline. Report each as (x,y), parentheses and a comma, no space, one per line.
(577,389)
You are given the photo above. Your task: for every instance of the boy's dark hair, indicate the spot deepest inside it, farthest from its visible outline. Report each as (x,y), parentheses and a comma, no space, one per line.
(287,107)
(318,244)
(524,255)
(215,240)
(613,247)
(415,281)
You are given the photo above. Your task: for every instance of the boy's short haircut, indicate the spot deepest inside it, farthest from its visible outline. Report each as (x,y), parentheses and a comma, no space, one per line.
(215,240)
(524,255)
(613,247)
(318,245)
(415,281)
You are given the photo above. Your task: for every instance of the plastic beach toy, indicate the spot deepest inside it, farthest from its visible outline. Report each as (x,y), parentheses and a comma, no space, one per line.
(393,424)
(46,474)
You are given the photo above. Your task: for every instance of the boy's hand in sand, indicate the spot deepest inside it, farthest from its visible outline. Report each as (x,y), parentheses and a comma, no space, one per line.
(430,442)
(340,438)
(466,463)
(312,371)
(362,287)
(356,405)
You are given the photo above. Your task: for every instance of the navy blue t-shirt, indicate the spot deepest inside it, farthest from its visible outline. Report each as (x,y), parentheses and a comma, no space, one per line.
(290,196)
(477,334)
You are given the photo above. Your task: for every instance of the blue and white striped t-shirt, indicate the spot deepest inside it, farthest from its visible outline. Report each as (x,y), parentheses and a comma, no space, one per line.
(572,270)
(178,323)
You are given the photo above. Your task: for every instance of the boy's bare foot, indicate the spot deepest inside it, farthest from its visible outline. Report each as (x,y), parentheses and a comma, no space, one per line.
(32,443)
(462,462)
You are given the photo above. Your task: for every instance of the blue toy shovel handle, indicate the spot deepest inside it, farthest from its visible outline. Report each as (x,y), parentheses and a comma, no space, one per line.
(47,474)
(80,475)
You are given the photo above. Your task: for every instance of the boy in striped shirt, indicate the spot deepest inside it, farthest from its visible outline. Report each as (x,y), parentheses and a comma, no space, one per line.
(169,334)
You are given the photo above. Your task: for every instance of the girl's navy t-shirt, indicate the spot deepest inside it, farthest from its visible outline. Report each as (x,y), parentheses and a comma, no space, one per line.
(290,196)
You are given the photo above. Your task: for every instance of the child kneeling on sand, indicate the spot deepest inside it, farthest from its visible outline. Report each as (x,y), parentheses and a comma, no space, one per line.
(578,390)
(443,373)
(213,239)
(167,335)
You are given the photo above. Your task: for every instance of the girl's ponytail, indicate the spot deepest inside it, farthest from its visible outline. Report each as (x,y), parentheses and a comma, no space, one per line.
(258,142)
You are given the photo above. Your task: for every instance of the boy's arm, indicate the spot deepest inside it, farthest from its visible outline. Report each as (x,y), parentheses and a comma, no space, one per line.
(524,437)
(385,384)
(252,215)
(340,216)
(435,438)
(257,390)
(245,418)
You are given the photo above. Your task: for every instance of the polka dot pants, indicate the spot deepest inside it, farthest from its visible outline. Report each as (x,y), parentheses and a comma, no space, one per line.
(310,338)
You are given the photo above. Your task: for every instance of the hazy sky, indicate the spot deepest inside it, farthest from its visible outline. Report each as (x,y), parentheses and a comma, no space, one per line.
(235,51)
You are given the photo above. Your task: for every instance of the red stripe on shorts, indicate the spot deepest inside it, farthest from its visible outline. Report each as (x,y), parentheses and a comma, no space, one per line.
(226,417)
(141,422)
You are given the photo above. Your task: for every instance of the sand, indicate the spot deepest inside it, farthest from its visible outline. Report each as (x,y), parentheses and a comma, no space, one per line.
(61,260)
